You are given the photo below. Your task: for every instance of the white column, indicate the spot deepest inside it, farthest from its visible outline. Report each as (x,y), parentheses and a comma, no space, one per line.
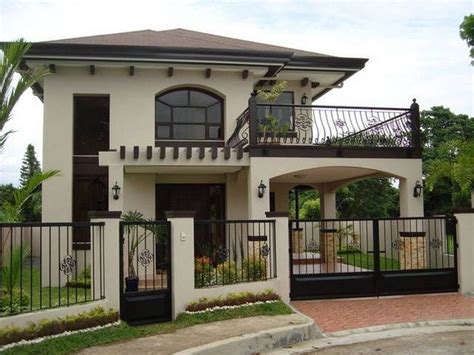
(111,235)
(182,259)
(328,203)
(410,206)
(465,237)
(282,255)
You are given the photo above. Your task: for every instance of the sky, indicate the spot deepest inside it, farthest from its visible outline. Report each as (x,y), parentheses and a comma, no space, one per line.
(414,48)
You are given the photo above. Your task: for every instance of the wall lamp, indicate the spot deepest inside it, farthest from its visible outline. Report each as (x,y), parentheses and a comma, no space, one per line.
(304,98)
(261,189)
(417,189)
(116,191)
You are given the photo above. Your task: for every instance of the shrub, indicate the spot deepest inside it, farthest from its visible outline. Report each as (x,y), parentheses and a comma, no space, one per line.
(255,268)
(203,272)
(227,273)
(232,299)
(14,301)
(93,318)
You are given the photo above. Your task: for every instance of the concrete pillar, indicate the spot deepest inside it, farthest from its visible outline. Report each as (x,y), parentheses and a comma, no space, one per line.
(282,199)
(465,237)
(182,259)
(282,255)
(328,204)
(111,261)
(410,206)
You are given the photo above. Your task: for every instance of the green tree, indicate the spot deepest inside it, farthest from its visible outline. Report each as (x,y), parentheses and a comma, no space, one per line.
(12,211)
(30,165)
(11,89)
(443,133)
(368,198)
(466,31)
(310,209)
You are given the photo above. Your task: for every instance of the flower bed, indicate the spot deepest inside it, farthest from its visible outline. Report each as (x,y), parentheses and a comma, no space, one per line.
(94,318)
(232,300)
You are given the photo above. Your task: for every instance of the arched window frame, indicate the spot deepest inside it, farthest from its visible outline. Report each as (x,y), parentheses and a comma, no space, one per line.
(207,124)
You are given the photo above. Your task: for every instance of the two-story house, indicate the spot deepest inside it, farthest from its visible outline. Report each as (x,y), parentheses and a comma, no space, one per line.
(170,118)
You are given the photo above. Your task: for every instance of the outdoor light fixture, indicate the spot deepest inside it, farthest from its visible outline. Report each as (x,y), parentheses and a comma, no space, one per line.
(304,98)
(417,189)
(261,189)
(116,191)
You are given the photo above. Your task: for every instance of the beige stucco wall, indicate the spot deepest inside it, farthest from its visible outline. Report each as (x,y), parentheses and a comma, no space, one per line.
(408,171)
(132,110)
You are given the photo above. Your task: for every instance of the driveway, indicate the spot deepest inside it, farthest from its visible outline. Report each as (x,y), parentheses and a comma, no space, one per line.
(337,315)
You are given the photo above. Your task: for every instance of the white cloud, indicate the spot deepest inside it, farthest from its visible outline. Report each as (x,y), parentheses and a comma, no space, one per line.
(413,46)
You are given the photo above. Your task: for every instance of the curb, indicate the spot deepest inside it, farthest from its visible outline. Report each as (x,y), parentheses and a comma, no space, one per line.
(264,340)
(361,335)
(381,328)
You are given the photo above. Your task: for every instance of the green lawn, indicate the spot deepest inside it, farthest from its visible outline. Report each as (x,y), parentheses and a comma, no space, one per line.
(450,244)
(76,342)
(366,261)
(48,297)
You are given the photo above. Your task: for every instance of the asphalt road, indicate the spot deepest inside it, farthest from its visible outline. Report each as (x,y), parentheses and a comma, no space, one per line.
(456,342)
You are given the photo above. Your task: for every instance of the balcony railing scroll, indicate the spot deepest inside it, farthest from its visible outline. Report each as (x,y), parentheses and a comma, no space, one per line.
(340,126)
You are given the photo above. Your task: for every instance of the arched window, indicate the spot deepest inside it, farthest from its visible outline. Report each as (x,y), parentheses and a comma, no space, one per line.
(188,114)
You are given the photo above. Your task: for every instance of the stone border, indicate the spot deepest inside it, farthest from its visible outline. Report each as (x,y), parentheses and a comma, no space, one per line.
(264,340)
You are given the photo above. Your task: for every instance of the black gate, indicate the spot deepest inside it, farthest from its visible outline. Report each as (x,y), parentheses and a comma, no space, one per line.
(145,270)
(337,258)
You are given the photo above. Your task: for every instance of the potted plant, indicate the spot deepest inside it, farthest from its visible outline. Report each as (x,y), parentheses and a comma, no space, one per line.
(271,129)
(137,234)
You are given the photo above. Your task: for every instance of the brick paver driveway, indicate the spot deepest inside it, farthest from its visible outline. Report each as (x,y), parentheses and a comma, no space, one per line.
(336,315)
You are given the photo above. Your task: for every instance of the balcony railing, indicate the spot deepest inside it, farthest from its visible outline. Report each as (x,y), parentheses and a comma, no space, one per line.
(326,126)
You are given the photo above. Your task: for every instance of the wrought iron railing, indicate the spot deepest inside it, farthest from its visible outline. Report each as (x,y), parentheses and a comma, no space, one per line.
(145,253)
(41,267)
(340,126)
(362,245)
(230,252)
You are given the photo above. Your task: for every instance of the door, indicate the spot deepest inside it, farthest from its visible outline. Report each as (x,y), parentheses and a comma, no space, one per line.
(207,200)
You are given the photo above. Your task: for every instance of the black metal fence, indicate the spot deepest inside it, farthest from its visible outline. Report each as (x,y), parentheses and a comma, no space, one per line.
(41,268)
(230,252)
(145,255)
(349,258)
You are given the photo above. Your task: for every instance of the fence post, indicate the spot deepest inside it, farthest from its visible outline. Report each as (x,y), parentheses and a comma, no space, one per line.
(182,259)
(112,238)
(415,123)
(282,259)
(253,119)
(465,239)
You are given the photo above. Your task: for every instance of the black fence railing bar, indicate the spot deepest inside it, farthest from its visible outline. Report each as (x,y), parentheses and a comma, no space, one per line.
(234,251)
(145,254)
(367,245)
(41,269)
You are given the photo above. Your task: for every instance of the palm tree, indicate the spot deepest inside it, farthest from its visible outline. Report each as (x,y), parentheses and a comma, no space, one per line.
(12,89)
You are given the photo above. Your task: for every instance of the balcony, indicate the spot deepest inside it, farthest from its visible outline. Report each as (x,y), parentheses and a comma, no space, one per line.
(328,131)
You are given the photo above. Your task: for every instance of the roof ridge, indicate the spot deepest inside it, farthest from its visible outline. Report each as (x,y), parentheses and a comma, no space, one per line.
(99,35)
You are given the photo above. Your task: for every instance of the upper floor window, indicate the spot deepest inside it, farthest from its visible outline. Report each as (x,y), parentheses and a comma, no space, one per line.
(282,113)
(188,114)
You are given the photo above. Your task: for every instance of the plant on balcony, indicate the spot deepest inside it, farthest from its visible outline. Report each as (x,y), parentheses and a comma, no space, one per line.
(138,232)
(271,126)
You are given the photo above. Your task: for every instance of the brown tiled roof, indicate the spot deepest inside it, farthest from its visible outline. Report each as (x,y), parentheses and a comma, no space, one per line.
(180,38)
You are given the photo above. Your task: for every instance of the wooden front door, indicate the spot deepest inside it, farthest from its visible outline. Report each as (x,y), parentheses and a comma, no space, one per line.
(208,200)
